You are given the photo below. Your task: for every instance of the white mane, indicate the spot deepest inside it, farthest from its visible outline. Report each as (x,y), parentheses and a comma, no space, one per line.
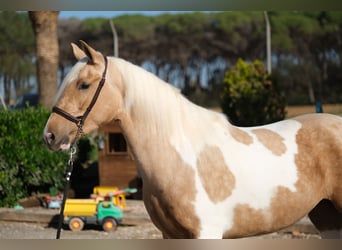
(162,104)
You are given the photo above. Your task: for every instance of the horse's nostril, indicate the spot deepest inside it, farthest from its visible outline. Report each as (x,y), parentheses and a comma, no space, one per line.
(49,137)
(52,136)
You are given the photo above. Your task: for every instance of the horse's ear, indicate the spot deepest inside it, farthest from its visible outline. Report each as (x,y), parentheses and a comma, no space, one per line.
(78,53)
(92,54)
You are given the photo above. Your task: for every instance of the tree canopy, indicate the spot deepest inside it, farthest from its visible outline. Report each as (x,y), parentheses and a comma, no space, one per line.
(16,52)
(193,50)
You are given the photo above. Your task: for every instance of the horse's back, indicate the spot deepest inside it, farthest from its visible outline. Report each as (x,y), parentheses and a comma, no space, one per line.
(321,120)
(313,144)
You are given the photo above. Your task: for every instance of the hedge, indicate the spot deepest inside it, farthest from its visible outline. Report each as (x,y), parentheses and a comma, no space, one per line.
(250,97)
(26,165)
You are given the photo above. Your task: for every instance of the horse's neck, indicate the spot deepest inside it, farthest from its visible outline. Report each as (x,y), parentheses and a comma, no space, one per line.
(157,115)
(158,120)
(152,105)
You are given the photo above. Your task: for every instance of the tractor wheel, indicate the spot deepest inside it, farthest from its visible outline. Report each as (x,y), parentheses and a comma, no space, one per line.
(109,225)
(76,224)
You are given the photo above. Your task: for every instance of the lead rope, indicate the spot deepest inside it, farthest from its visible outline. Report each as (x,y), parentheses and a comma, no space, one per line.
(67,178)
(66,189)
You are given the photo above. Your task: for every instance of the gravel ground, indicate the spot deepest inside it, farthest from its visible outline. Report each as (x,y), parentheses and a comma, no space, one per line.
(136,225)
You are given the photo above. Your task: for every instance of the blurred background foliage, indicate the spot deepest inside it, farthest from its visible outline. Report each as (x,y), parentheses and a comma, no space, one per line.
(26,165)
(250,97)
(193,50)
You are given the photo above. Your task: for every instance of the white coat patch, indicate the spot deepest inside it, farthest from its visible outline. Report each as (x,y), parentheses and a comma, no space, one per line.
(258,173)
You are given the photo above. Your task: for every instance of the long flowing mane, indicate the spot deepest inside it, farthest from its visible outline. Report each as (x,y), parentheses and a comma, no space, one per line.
(163,105)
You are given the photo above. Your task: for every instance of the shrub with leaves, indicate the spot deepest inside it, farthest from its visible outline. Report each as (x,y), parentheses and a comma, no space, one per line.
(250,97)
(26,165)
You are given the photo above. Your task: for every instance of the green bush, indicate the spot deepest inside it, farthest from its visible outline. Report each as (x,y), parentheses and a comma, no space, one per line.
(26,165)
(250,97)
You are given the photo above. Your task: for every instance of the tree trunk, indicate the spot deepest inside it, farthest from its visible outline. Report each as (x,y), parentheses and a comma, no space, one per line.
(44,25)
(268,44)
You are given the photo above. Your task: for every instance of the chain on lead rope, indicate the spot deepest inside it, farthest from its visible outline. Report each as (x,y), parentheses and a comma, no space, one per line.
(67,178)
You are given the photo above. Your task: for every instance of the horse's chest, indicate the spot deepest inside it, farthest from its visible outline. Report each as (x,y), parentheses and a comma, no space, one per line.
(176,219)
(170,196)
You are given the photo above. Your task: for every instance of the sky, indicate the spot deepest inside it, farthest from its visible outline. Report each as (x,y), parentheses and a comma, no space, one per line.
(108,14)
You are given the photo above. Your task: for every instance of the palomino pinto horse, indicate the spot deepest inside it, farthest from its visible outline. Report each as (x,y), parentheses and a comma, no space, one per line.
(203,177)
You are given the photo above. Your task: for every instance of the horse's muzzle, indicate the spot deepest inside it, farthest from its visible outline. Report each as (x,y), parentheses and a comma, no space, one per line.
(49,139)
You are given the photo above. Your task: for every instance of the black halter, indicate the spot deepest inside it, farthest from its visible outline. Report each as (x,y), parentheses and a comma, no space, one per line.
(79,120)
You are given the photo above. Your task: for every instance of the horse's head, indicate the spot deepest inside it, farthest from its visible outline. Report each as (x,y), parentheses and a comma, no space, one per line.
(86,98)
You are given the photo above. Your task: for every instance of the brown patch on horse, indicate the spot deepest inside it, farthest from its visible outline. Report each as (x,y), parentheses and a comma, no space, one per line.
(241,136)
(320,152)
(169,197)
(320,156)
(318,164)
(247,222)
(285,208)
(271,140)
(218,181)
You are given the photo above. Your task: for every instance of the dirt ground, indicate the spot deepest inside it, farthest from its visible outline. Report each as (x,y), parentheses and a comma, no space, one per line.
(136,225)
(327,108)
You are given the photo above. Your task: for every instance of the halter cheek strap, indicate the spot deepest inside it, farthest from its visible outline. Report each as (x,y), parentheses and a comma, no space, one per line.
(79,120)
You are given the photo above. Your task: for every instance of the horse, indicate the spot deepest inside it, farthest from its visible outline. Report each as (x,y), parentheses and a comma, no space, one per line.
(202,176)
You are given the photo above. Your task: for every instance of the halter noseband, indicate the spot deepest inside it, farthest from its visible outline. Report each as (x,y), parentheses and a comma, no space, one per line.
(79,120)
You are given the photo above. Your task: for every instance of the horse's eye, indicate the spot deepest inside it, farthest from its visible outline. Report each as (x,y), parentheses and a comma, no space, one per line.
(83,85)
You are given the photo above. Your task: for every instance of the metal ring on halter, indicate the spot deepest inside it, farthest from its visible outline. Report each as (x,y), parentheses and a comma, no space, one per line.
(73,150)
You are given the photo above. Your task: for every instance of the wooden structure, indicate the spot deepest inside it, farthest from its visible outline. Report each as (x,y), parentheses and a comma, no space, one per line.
(116,163)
